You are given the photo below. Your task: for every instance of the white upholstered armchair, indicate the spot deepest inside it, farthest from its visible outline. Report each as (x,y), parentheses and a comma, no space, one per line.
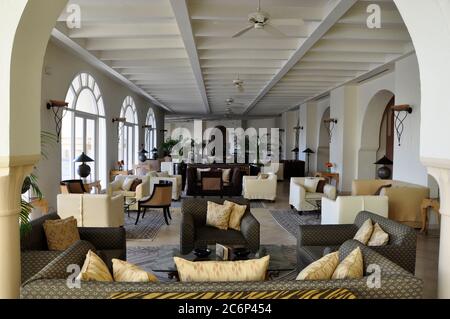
(303,193)
(119,187)
(262,189)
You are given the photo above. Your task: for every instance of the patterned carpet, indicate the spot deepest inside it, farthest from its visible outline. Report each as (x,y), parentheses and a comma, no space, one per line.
(160,258)
(147,228)
(290,220)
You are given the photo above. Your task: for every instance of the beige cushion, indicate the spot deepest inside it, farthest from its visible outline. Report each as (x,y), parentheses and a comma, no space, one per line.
(263,176)
(128,182)
(379,237)
(218,215)
(321,269)
(226,174)
(126,272)
(222,271)
(352,267)
(94,269)
(237,212)
(199,172)
(364,233)
(311,184)
(61,233)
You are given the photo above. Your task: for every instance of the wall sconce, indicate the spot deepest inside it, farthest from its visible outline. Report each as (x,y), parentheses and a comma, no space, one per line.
(120,128)
(401,112)
(119,119)
(58,108)
(330,125)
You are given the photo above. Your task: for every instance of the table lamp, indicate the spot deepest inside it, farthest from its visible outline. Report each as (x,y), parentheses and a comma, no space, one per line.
(384,172)
(84,170)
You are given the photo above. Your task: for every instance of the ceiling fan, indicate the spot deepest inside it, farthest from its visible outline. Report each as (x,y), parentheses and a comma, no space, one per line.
(230,101)
(261,20)
(239,84)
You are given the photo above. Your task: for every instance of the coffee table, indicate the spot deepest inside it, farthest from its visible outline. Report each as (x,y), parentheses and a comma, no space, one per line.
(276,267)
(129,201)
(317,204)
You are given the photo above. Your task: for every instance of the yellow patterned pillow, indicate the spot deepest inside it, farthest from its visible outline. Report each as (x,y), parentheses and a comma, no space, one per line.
(364,233)
(379,237)
(94,269)
(237,212)
(222,271)
(321,269)
(218,215)
(126,272)
(352,267)
(61,233)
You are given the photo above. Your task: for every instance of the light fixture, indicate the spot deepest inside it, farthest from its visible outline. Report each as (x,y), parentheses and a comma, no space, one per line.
(308,152)
(384,172)
(330,125)
(84,170)
(401,112)
(143,154)
(58,108)
(119,119)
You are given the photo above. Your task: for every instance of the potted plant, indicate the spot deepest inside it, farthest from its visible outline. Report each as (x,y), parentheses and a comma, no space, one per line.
(329,166)
(168,145)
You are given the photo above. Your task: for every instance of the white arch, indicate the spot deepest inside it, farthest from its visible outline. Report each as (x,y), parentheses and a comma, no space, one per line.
(151,135)
(129,134)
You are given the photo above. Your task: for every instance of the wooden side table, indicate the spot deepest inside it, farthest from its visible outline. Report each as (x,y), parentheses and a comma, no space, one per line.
(330,177)
(435,206)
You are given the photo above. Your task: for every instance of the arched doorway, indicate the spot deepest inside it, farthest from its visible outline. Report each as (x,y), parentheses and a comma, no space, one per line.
(376,134)
(323,149)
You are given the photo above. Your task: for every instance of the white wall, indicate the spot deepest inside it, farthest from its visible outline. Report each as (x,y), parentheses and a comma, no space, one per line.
(61,67)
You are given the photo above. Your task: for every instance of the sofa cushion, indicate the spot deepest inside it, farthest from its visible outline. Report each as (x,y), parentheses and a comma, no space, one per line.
(379,236)
(321,269)
(311,184)
(94,269)
(126,186)
(365,232)
(222,271)
(107,255)
(352,267)
(61,233)
(321,186)
(126,272)
(226,175)
(135,184)
(218,215)
(237,212)
(125,193)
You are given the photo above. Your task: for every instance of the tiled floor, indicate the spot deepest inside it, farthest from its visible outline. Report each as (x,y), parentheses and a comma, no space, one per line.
(272,233)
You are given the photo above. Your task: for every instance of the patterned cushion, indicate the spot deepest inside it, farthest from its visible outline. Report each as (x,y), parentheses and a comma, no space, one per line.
(321,269)
(218,215)
(379,237)
(250,295)
(94,269)
(127,272)
(365,232)
(128,182)
(222,271)
(352,267)
(237,212)
(61,233)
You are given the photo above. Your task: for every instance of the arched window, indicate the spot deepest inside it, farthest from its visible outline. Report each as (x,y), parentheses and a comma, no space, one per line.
(129,134)
(150,133)
(84,129)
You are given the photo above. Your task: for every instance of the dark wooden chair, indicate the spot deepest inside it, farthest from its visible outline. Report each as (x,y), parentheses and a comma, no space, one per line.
(160,198)
(75,186)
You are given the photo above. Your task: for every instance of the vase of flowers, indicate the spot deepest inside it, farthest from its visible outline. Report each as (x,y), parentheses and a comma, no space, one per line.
(329,166)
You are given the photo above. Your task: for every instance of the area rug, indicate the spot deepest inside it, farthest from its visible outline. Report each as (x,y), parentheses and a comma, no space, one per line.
(160,258)
(291,220)
(147,228)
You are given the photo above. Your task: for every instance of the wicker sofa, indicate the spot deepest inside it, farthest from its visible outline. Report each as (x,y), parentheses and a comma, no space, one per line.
(51,282)
(35,255)
(313,240)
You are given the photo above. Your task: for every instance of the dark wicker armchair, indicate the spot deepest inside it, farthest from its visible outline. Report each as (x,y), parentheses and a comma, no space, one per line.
(195,234)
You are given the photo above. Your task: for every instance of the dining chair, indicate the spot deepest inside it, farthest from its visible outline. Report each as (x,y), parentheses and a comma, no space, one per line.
(160,198)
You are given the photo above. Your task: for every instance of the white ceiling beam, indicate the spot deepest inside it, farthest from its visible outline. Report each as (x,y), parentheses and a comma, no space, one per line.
(239,70)
(155,54)
(64,40)
(363,46)
(245,63)
(94,44)
(155,72)
(183,19)
(156,64)
(346,32)
(244,54)
(248,44)
(345,57)
(135,30)
(333,66)
(335,13)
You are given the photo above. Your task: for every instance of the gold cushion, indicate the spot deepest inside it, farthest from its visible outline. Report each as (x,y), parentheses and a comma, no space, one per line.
(351,267)
(311,184)
(218,215)
(379,237)
(237,212)
(226,174)
(126,272)
(321,269)
(94,269)
(364,233)
(61,233)
(222,271)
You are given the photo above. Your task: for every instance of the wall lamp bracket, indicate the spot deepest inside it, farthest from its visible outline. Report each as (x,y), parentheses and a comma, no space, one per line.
(58,108)
(401,112)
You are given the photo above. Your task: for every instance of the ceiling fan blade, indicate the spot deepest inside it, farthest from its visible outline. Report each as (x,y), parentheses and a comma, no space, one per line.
(287,22)
(243,31)
(274,31)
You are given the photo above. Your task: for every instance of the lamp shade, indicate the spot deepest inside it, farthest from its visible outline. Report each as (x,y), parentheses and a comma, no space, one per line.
(295,150)
(154,150)
(143,151)
(83,158)
(308,151)
(384,161)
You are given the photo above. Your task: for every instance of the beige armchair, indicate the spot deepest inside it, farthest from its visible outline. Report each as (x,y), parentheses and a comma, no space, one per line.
(92,210)
(262,189)
(142,190)
(405,199)
(176,180)
(303,200)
